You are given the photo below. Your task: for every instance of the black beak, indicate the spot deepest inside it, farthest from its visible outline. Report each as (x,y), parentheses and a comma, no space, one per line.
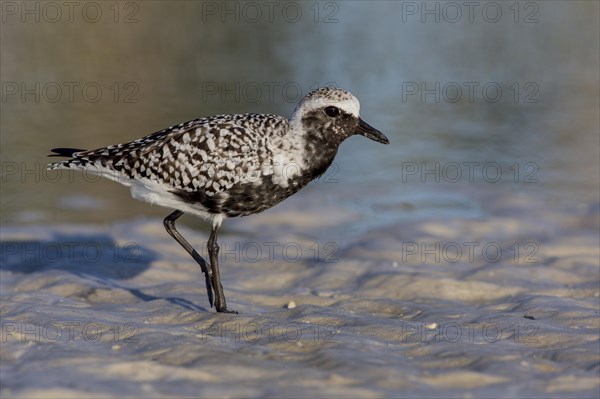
(364,129)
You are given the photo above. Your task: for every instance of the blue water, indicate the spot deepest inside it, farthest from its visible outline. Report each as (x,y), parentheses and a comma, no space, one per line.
(468,91)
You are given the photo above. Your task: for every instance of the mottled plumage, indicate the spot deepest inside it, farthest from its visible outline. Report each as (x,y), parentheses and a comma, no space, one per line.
(230,165)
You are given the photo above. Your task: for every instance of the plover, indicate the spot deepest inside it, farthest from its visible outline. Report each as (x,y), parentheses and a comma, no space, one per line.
(228,165)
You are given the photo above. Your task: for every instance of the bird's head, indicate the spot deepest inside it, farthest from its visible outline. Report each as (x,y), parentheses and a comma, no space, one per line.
(333,113)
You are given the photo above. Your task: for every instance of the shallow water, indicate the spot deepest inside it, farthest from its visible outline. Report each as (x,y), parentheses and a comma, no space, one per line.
(462,260)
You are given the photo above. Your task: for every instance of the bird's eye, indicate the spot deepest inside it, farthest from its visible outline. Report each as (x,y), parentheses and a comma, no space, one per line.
(332,111)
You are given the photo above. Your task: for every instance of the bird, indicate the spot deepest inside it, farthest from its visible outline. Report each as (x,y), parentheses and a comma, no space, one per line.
(226,166)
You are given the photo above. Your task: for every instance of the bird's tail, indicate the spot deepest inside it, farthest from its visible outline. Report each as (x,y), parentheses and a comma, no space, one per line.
(83,160)
(65,152)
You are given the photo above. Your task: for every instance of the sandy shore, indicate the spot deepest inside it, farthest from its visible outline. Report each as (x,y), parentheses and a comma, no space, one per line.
(506,305)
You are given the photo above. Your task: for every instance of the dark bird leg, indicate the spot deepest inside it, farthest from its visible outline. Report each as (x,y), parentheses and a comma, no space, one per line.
(213,252)
(169,223)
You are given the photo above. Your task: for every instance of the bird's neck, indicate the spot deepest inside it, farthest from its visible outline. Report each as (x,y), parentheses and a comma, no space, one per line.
(319,151)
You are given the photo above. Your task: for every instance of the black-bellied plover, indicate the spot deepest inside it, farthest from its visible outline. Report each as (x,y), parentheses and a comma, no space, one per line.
(228,165)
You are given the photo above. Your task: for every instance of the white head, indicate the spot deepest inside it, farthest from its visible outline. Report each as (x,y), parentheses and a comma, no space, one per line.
(329,96)
(333,114)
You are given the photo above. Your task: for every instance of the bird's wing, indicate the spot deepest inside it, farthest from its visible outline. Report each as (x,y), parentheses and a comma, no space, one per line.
(208,154)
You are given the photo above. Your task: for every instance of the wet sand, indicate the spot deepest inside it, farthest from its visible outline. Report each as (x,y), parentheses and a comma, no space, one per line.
(505,305)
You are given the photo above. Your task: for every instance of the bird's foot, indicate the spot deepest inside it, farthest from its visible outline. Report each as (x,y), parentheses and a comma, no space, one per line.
(225,310)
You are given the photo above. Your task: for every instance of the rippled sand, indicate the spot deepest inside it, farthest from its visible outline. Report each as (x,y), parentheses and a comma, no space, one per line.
(404,310)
